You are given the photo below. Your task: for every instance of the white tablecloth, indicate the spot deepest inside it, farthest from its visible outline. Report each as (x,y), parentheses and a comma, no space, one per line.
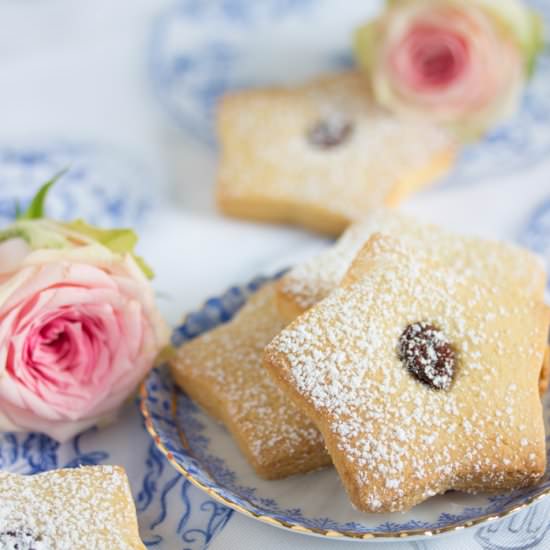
(77,72)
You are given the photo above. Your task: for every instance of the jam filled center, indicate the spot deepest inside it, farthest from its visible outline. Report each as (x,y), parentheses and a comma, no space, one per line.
(330,133)
(428,355)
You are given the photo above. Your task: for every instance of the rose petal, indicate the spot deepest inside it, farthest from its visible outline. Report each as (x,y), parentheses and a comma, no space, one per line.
(12,254)
(75,338)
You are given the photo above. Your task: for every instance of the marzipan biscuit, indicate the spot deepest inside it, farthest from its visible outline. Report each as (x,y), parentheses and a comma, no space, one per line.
(79,508)
(222,371)
(321,155)
(421,378)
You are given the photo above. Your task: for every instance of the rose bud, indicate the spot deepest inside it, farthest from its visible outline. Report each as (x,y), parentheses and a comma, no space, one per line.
(464,64)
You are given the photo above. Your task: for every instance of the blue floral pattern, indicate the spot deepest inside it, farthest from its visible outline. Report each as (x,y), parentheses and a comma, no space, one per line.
(520,532)
(519,143)
(197,520)
(104,188)
(190,71)
(35,453)
(211,469)
(171,512)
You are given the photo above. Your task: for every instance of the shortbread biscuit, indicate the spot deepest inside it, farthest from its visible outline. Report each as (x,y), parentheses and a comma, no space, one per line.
(310,282)
(321,155)
(222,371)
(421,378)
(80,509)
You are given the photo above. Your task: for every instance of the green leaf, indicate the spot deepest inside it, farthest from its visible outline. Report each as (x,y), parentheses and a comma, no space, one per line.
(35,211)
(117,240)
(37,233)
(12,233)
(51,234)
(366,40)
(537,42)
(121,241)
(144,266)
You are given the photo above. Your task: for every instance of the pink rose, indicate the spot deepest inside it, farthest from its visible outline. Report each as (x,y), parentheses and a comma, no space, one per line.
(460,63)
(79,329)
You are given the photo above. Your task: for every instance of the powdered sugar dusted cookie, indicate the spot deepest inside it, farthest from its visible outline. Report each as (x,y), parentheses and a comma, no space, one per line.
(421,378)
(222,371)
(321,155)
(310,282)
(71,509)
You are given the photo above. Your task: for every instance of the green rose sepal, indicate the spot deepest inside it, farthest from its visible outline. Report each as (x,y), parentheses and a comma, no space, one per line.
(40,232)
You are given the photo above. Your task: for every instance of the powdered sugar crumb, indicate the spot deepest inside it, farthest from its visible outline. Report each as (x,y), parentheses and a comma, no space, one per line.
(66,509)
(230,360)
(347,180)
(310,282)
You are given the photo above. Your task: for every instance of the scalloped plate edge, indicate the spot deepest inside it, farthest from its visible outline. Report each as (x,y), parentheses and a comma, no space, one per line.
(297,528)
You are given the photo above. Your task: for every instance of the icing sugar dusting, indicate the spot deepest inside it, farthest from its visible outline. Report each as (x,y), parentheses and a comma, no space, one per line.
(401,441)
(229,359)
(313,280)
(271,127)
(88,507)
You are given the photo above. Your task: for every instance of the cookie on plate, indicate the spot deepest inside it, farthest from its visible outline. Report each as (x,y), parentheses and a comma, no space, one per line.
(421,378)
(310,282)
(222,371)
(80,508)
(321,155)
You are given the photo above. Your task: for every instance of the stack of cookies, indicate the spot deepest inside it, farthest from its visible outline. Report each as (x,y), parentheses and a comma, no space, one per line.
(409,357)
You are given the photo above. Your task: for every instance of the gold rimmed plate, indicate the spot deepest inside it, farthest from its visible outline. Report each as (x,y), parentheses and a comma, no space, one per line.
(316,503)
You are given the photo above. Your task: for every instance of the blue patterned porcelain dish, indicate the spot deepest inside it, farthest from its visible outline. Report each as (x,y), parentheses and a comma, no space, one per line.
(199,50)
(316,503)
(106,188)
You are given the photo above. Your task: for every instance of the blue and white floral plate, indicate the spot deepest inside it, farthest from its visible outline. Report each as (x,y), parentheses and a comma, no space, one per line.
(315,504)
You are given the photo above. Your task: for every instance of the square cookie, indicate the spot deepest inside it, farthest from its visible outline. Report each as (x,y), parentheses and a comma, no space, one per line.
(421,378)
(321,155)
(222,371)
(72,509)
